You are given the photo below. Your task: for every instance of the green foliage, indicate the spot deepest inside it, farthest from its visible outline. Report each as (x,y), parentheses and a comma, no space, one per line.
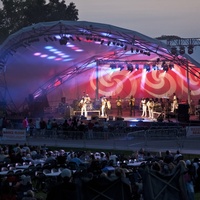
(17,14)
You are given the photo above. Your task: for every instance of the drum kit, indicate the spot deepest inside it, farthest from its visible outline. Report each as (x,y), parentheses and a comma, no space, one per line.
(89,106)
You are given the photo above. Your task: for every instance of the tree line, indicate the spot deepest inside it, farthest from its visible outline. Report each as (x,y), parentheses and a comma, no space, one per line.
(16,14)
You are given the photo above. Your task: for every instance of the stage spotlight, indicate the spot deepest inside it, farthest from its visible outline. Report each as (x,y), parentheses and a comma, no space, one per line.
(165,67)
(130,67)
(71,38)
(154,67)
(174,50)
(78,38)
(46,40)
(50,38)
(113,66)
(190,49)
(63,40)
(171,66)
(121,67)
(102,41)
(148,69)
(132,50)
(137,67)
(182,50)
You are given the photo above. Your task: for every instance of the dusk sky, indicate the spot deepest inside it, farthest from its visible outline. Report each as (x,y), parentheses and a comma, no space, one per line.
(153,18)
(150,17)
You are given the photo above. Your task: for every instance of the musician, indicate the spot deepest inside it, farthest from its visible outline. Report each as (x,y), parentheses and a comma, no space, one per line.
(87,99)
(174,103)
(150,105)
(103,105)
(132,105)
(107,107)
(119,106)
(144,107)
(83,106)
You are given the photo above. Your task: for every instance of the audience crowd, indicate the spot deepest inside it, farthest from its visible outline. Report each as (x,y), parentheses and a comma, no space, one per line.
(28,170)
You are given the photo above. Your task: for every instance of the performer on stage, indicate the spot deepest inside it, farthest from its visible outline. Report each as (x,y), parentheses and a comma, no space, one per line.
(132,105)
(87,99)
(144,107)
(150,105)
(119,106)
(83,106)
(103,105)
(88,102)
(174,103)
(107,107)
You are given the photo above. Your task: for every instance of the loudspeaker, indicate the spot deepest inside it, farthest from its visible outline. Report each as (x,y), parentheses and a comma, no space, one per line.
(94,117)
(69,111)
(63,100)
(183,108)
(83,117)
(119,118)
(110,118)
(183,117)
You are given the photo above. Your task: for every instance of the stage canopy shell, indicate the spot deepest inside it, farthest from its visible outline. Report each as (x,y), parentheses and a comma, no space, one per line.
(50,58)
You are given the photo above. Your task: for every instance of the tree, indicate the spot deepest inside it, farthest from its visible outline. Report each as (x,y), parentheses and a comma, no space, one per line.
(17,14)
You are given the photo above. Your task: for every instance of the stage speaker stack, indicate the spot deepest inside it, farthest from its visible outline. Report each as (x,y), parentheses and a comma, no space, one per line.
(63,100)
(110,118)
(94,117)
(69,111)
(119,118)
(183,113)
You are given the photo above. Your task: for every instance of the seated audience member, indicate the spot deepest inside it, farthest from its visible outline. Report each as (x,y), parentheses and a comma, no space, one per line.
(29,195)
(65,190)
(168,157)
(76,160)
(23,186)
(50,158)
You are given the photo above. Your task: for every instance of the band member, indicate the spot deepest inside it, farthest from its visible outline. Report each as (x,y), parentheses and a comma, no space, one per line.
(174,103)
(119,106)
(103,105)
(107,107)
(144,107)
(87,99)
(132,105)
(83,106)
(150,105)
(88,102)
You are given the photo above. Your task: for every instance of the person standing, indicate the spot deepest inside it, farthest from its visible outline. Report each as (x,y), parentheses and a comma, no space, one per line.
(150,105)
(144,107)
(83,106)
(107,107)
(119,106)
(174,103)
(132,105)
(103,106)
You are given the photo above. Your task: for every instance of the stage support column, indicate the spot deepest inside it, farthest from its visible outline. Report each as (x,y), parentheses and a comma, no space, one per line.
(97,81)
(188,85)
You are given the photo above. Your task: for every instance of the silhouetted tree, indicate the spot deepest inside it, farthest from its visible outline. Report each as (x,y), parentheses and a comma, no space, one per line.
(17,14)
